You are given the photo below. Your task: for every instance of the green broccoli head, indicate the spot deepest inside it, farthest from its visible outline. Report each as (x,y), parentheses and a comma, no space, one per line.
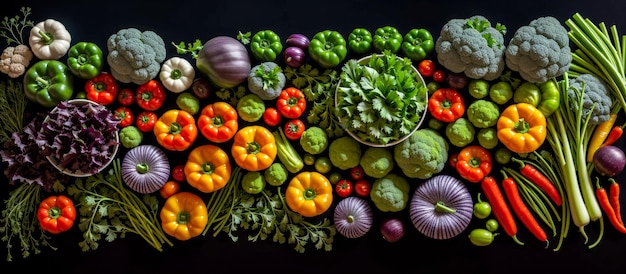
(460,132)
(390,193)
(314,140)
(135,56)
(539,51)
(276,174)
(377,162)
(472,46)
(595,91)
(251,107)
(130,136)
(344,152)
(421,155)
(483,113)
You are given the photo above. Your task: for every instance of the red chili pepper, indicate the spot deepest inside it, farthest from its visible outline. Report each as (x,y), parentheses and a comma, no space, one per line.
(499,207)
(605,204)
(521,210)
(125,115)
(540,180)
(151,95)
(102,89)
(614,192)
(614,135)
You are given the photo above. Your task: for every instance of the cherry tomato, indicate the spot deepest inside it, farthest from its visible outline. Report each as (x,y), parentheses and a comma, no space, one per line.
(426,68)
(362,188)
(334,177)
(178,173)
(126,97)
(439,76)
(357,173)
(343,188)
(452,160)
(309,159)
(293,129)
(323,164)
(168,189)
(271,116)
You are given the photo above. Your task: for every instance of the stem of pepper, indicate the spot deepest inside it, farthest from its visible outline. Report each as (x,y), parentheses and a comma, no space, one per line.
(46,37)
(443,208)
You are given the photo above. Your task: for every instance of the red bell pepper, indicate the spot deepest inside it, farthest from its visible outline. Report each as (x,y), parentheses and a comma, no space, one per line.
(125,115)
(446,105)
(291,103)
(146,120)
(126,97)
(151,95)
(102,89)
(56,214)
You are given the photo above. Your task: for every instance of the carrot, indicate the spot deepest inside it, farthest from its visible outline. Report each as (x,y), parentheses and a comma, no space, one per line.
(599,135)
(614,135)
(614,191)
(499,207)
(540,180)
(521,210)
(605,204)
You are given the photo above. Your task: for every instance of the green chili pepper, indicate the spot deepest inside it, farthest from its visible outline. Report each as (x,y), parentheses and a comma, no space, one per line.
(527,92)
(418,44)
(550,97)
(84,60)
(48,82)
(360,40)
(387,38)
(266,45)
(328,48)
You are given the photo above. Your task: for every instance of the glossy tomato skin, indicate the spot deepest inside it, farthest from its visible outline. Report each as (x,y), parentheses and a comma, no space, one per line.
(178,173)
(439,76)
(343,188)
(362,188)
(293,129)
(357,173)
(426,68)
(272,116)
(168,189)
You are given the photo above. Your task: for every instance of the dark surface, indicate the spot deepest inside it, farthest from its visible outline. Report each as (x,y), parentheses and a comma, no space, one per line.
(187,20)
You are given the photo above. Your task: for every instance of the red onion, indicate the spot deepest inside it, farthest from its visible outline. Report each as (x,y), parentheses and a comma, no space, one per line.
(392,229)
(609,160)
(457,81)
(298,40)
(201,88)
(294,56)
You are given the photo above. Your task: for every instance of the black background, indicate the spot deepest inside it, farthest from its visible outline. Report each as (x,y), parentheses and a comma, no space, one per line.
(181,20)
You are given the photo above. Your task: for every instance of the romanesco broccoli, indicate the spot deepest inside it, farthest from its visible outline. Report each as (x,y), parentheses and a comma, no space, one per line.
(483,113)
(460,132)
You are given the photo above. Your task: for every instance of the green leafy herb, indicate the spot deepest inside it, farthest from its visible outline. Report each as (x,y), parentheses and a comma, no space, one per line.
(12,106)
(15,27)
(231,95)
(270,78)
(109,210)
(244,37)
(192,48)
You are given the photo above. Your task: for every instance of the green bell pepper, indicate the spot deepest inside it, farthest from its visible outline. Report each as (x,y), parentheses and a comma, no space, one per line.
(360,40)
(387,38)
(84,60)
(527,92)
(418,44)
(48,82)
(328,48)
(550,97)
(266,45)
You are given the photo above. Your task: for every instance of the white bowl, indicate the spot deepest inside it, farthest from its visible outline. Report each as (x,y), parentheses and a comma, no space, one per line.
(78,173)
(365,60)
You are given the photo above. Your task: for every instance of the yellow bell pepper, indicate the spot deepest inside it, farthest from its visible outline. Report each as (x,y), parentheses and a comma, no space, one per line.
(522,128)
(254,148)
(309,193)
(207,168)
(184,215)
(175,130)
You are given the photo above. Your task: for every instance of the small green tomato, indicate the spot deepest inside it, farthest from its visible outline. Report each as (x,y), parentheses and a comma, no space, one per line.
(481,237)
(482,209)
(335,177)
(309,159)
(323,164)
(492,225)
(503,156)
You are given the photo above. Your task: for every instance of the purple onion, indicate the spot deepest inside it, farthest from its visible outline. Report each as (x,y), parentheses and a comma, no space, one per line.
(294,56)
(298,40)
(609,160)
(457,81)
(392,229)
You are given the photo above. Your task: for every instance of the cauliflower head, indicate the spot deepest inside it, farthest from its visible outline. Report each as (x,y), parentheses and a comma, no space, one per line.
(344,152)
(377,162)
(540,50)
(135,56)
(472,46)
(390,193)
(595,91)
(483,113)
(314,140)
(15,60)
(421,155)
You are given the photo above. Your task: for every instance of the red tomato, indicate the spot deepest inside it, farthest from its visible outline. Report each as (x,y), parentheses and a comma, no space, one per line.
(293,129)
(126,97)
(343,188)
(178,173)
(426,68)
(168,189)
(271,116)
(357,173)
(362,188)
(452,160)
(439,76)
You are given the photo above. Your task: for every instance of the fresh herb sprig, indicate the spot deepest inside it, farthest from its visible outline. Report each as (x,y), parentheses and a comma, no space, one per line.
(12,107)
(15,26)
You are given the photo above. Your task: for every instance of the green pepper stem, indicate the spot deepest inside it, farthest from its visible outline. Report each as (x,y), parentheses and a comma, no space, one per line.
(175,128)
(41,81)
(208,168)
(443,208)
(142,168)
(309,194)
(176,74)
(253,147)
(54,212)
(46,37)
(521,126)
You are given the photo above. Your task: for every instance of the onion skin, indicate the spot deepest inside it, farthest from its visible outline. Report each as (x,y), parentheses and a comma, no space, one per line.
(457,81)
(225,61)
(392,229)
(157,171)
(298,40)
(294,56)
(609,160)
(201,88)
(353,217)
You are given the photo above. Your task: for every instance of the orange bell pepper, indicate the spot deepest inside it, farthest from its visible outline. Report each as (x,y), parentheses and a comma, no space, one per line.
(522,128)
(254,148)
(309,193)
(218,122)
(56,214)
(184,215)
(446,105)
(175,130)
(474,163)
(207,168)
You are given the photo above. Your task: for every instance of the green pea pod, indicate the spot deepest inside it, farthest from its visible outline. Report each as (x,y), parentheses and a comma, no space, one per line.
(527,92)
(266,45)
(418,44)
(48,82)
(550,97)
(328,48)
(85,60)
(387,38)
(360,40)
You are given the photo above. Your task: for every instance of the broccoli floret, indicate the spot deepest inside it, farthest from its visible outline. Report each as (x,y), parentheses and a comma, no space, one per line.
(251,107)
(487,137)
(130,136)
(314,140)
(135,56)
(483,114)
(266,80)
(253,182)
(344,152)
(501,92)
(540,50)
(377,162)
(276,174)
(390,193)
(595,91)
(421,155)
(460,132)
(478,88)
(472,46)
